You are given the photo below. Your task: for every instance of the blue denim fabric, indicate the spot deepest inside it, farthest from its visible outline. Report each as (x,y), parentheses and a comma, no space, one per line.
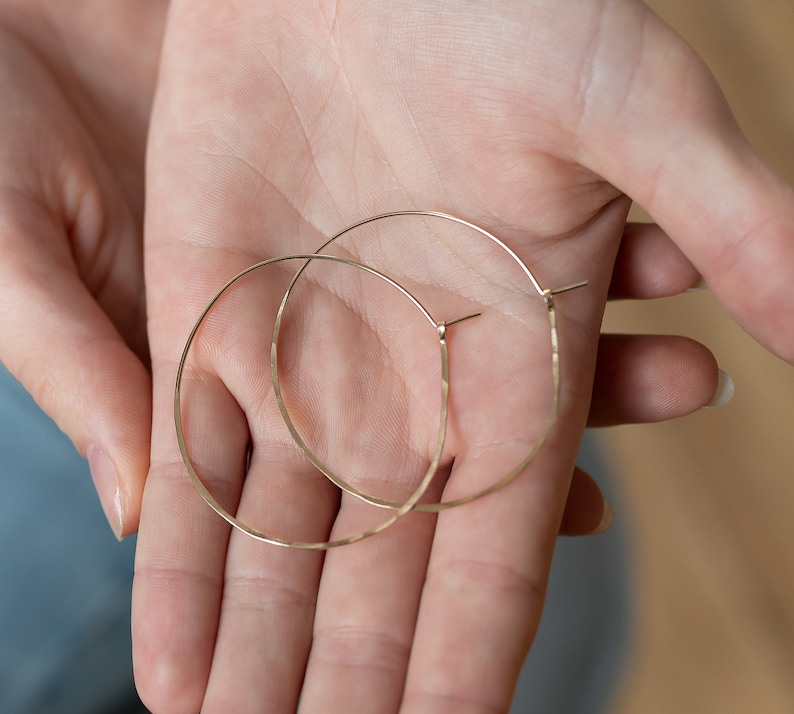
(575,663)
(65,584)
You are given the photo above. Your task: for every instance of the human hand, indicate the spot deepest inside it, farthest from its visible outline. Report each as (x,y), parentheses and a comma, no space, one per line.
(78,85)
(77,81)
(274,128)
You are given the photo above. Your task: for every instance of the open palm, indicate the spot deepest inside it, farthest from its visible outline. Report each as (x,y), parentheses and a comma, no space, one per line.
(275,127)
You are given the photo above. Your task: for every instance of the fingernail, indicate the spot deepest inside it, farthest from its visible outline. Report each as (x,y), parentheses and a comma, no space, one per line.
(724,393)
(607,519)
(107,486)
(699,286)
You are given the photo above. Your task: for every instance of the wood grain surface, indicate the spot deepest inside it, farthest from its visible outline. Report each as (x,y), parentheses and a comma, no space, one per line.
(709,499)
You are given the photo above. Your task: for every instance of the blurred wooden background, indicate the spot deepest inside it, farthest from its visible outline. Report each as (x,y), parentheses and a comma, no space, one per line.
(709,499)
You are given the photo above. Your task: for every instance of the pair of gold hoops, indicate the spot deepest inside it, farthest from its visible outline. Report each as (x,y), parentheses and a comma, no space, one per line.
(397,510)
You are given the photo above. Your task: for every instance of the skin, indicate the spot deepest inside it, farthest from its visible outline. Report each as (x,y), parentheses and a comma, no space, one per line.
(77,96)
(251,156)
(274,126)
(72,176)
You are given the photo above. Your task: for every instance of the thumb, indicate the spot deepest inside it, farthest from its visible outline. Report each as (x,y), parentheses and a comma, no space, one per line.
(674,147)
(64,349)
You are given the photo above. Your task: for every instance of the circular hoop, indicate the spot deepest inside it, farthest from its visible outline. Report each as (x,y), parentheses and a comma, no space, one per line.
(548,298)
(399,509)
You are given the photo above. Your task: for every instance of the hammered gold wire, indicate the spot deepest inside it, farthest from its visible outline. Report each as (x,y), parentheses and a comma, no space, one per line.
(548,298)
(399,509)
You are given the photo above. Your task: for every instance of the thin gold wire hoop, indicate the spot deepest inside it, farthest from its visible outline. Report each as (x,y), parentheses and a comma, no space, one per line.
(401,509)
(548,299)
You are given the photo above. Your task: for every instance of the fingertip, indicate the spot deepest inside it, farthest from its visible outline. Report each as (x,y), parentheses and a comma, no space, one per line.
(699,286)
(108,488)
(650,265)
(607,519)
(103,404)
(642,379)
(586,512)
(156,688)
(724,391)
(119,491)
(161,679)
(118,430)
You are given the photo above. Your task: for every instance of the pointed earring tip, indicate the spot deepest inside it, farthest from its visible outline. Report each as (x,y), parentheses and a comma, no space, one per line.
(462,319)
(568,288)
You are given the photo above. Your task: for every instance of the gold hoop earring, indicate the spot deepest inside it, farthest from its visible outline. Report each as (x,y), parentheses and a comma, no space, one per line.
(548,299)
(400,509)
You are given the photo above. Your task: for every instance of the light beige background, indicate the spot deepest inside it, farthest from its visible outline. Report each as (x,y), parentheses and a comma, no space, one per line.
(709,499)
